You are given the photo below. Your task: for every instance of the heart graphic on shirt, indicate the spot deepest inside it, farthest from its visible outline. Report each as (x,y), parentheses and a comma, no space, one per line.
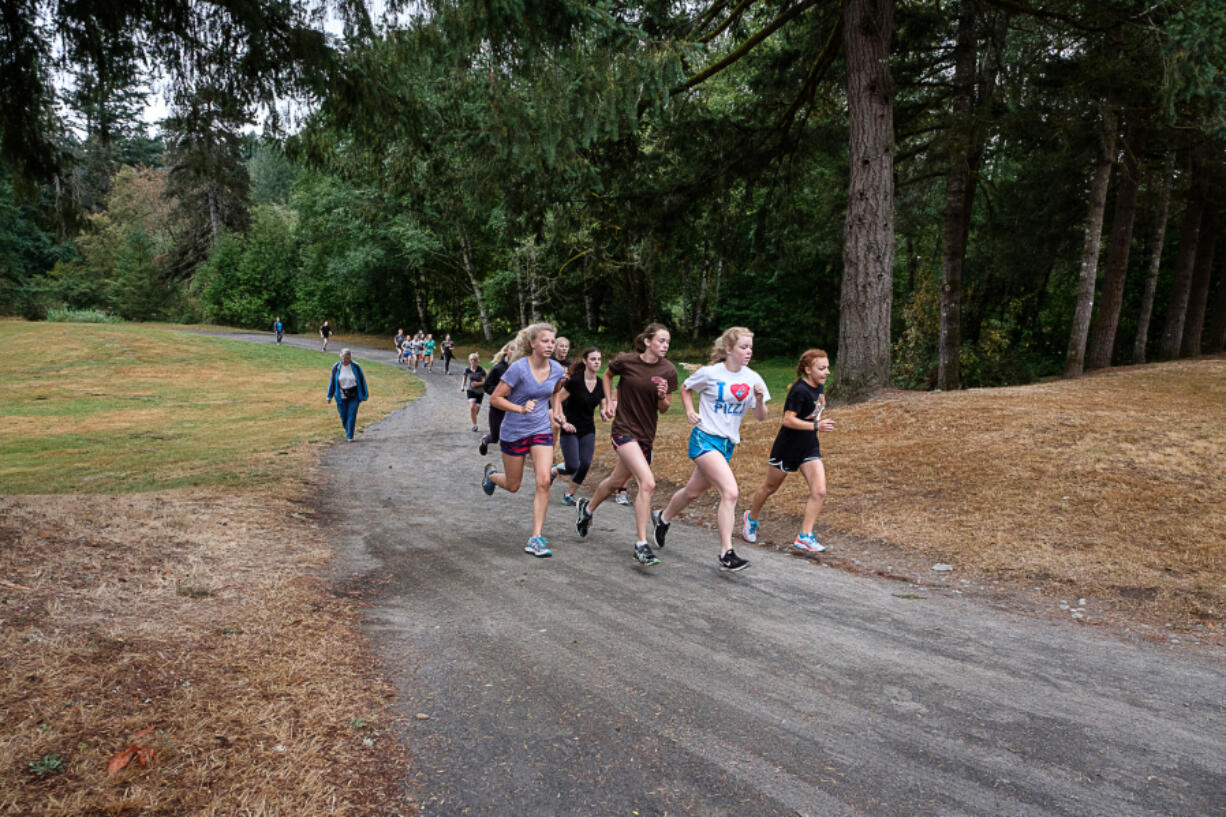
(740,391)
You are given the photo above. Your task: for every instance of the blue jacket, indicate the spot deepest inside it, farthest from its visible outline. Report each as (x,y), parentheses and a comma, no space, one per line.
(334,390)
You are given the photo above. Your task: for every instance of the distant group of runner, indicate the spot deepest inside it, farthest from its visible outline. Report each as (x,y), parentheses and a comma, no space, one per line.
(417,352)
(538,394)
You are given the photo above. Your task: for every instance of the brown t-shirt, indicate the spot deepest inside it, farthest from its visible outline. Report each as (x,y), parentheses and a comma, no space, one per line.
(637,395)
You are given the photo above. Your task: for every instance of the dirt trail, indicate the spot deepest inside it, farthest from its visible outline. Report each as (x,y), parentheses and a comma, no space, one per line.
(583,685)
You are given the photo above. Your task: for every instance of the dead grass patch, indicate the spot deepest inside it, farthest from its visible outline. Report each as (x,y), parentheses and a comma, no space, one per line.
(1109,486)
(197,613)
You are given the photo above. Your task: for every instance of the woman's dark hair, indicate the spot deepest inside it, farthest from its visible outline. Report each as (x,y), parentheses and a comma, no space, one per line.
(577,366)
(640,340)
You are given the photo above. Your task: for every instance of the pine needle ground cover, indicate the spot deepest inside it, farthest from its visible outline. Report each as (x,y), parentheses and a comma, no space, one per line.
(170,647)
(1110,486)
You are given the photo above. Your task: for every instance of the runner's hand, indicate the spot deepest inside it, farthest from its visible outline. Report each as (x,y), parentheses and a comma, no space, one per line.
(529,407)
(694,417)
(825,424)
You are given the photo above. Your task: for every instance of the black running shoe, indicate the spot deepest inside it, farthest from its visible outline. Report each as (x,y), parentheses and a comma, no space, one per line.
(483,447)
(585,518)
(644,556)
(660,527)
(728,560)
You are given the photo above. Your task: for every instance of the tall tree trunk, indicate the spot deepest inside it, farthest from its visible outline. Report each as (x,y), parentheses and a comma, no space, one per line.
(700,302)
(868,247)
(1202,276)
(1074,362)
(1107,320)
(1155,259)
(589,316)
(466,258)
(957,202)
(1185,266)
(1217,325)
(422,323)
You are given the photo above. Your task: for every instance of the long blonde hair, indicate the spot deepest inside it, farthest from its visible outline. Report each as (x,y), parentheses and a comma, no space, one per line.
(725,342)
(504,353)
(527,336)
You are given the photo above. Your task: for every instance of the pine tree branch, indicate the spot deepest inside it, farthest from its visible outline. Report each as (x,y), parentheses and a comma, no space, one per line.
(732,18)
(747,46)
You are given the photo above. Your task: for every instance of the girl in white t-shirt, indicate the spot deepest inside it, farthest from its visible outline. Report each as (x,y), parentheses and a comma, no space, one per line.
(727,389)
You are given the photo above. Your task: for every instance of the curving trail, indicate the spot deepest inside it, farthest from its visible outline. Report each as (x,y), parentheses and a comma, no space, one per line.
(583,685)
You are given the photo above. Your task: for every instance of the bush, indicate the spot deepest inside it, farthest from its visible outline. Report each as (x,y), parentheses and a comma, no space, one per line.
(66,315)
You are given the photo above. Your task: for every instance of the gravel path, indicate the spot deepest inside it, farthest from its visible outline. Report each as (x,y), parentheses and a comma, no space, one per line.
(584,685)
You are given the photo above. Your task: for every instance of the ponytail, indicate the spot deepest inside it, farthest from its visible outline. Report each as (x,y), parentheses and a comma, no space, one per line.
(725,342)
(806,360)
(640,340)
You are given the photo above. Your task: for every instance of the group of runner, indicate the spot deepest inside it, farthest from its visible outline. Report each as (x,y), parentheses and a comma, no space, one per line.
(417,352)
(536,393)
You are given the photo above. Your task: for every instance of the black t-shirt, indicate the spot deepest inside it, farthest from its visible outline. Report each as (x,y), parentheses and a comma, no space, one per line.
(474,374)
(495,376)
(581,404)
(808,402)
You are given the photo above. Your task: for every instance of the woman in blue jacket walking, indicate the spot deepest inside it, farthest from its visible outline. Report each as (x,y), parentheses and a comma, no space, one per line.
(348,386)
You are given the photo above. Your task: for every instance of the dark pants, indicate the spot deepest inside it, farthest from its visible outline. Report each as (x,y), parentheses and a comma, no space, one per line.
(496,416)
(578,452)
(348,410)
(278,337)
(447,362)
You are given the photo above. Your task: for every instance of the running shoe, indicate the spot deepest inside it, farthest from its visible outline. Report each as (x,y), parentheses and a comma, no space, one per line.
(476,429)
(553,474)
(728,560)
(483,447)
(585,518)
(644,556)
(568,500)
(660,527)
(807,541)
(538,546)
(487,484)
(749,529)
(621,498)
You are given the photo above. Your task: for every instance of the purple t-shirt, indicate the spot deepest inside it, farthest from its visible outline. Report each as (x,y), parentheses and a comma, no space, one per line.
(524,387)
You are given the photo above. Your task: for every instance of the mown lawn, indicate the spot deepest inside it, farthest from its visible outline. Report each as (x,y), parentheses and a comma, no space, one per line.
(121,408)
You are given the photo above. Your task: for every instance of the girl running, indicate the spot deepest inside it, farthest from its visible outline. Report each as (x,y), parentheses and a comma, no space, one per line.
(448,352)
(429,351)
(646,381)
(528,394)
(471,383)
(727,388)
(325,332)
(581,395)
(501,361)
(797,448)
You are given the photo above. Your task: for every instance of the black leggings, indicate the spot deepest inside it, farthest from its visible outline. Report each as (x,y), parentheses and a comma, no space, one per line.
(496,416)
(578,452)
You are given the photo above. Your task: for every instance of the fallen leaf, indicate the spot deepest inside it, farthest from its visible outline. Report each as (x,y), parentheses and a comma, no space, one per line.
(148,730)
(123,757)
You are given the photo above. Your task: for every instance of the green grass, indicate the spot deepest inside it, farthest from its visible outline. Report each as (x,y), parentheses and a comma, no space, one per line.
(120,408)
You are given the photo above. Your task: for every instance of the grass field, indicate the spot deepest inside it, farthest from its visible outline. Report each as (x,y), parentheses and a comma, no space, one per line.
(160,587)
(121,408)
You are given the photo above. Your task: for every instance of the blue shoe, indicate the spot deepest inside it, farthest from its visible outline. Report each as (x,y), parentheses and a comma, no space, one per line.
(749,529)
(807,541)
(538,547)
(585,518)
(486,484)
(568,500)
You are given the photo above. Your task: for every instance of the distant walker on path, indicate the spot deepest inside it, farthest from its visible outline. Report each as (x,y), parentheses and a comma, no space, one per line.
(348,385)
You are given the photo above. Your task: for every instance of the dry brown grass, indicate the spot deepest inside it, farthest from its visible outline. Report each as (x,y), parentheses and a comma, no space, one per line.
(1110,486)
(196,612)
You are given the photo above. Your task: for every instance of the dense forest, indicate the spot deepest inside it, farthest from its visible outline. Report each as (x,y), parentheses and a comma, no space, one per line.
(945,194)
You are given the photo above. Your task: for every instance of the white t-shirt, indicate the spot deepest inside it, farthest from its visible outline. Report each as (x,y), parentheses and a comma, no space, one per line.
(724,398)
(345,378)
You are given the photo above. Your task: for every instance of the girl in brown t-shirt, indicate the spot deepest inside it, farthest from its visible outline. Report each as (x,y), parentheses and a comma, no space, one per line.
(645,382)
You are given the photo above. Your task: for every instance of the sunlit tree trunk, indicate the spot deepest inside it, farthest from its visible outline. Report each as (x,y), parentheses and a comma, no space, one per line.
(1074,363)
(466,258)
(1155,259)
(1107,319)
(868,248)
